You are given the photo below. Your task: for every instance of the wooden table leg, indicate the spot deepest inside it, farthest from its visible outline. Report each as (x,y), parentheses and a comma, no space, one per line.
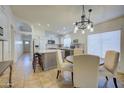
(10,76)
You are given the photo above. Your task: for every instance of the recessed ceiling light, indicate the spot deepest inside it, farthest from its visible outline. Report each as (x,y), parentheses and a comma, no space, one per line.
(83,32)
(39,24)
(48,25)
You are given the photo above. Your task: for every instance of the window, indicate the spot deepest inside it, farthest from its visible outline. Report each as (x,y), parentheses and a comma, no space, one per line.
(26,42)
(98,44)
(67,42)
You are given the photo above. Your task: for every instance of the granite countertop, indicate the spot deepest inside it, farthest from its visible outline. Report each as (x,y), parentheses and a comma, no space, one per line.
(49,51)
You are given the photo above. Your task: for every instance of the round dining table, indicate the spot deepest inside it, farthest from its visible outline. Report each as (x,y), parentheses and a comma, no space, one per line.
(70,60)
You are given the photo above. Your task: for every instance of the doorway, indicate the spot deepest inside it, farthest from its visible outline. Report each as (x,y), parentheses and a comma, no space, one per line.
(26,46)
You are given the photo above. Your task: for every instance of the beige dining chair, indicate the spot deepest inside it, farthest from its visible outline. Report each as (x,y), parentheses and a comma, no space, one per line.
(78,51)
(109,69)
(85,71)
(63,66)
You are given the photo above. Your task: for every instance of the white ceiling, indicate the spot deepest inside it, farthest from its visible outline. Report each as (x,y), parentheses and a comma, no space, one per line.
(62,17)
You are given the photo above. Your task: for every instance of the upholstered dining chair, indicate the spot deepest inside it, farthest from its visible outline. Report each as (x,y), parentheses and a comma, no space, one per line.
(85,71)
(63,66)
(78,51)
(109,69)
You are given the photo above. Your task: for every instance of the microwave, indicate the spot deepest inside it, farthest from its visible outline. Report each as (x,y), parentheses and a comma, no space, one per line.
(51,41)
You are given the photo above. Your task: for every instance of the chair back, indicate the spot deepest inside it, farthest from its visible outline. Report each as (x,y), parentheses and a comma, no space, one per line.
(111,61)
(59,58)
(85,71)
(78,51)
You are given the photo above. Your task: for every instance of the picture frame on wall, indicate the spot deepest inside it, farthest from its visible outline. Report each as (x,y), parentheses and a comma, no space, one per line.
(75,41)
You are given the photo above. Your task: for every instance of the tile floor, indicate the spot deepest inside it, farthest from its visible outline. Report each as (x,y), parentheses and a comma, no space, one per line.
(24,77)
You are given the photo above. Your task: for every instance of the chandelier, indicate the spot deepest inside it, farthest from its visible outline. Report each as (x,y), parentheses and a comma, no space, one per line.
(85,23)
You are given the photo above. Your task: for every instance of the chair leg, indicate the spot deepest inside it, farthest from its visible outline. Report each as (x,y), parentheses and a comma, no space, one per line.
(115,82)
(34,65)
(72,77)
(10,77)
(105,85)
(58,74)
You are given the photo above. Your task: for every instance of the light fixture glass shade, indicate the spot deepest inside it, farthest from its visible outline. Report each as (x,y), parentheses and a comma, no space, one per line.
(88,26)
(91,29)
(85,24)
(75,29)
(83,32)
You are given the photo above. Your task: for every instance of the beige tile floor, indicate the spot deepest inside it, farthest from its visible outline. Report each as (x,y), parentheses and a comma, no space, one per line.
(24,77)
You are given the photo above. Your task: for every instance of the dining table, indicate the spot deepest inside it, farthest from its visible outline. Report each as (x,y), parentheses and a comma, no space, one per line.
(71,60)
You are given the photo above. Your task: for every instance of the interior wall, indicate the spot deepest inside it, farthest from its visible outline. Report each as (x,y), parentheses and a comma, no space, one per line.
(38,37)
(52,36)
(5,46)
(111,25)
(79,36)
(12,47)
(41,37)
(7,21)
(18,45)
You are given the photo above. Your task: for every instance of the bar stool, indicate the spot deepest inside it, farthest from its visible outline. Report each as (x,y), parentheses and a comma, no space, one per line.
(37,59)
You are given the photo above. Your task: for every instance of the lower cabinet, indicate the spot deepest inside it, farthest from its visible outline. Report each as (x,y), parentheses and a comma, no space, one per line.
(49,60)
